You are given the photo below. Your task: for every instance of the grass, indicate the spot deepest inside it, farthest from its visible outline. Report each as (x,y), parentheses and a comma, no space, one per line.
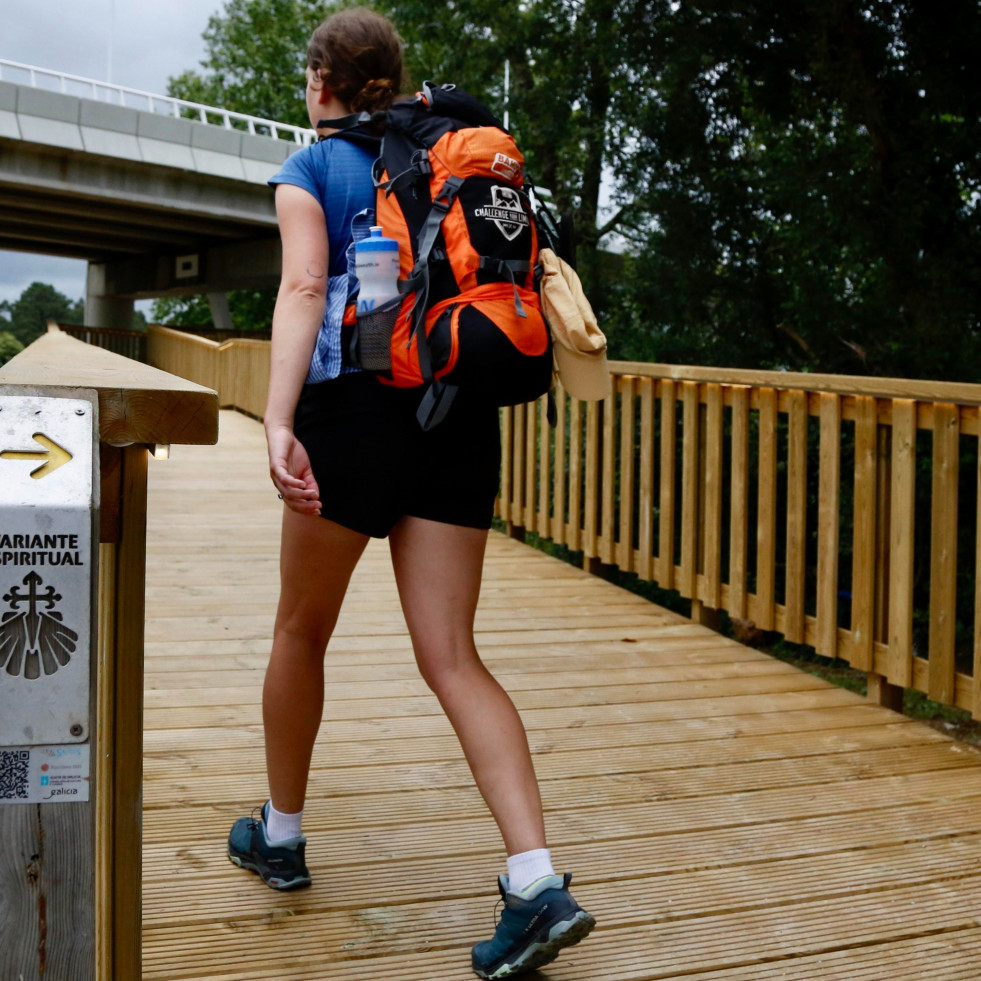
(951,721)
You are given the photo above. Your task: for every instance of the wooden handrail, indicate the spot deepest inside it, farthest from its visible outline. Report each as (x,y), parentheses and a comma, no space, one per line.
(238,369)
(139,407)
(858,385)
(137,403)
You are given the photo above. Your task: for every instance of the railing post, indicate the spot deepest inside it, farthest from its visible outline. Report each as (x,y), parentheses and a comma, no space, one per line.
(121,598)
(881,692)
(49,719)
(705,616)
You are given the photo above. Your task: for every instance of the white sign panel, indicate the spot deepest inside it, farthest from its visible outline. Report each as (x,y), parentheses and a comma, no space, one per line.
(46,570)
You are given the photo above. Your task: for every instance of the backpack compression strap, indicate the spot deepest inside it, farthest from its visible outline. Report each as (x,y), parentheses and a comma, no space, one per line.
(419,166)
(508,267)
(439,396)
(418,280)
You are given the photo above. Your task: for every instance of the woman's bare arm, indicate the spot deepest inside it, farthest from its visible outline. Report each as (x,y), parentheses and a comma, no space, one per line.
(296,321)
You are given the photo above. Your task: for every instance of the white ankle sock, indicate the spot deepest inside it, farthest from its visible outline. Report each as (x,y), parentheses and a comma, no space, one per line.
(280,826)
(526,867)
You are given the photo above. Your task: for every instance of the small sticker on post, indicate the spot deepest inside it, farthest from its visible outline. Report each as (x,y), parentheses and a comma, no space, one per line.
(44,774)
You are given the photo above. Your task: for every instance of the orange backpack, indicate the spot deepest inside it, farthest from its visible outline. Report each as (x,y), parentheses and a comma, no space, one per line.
(451,191)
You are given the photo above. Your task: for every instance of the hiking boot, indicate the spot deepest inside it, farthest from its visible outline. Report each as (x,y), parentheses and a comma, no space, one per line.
(281,865)
(533,928)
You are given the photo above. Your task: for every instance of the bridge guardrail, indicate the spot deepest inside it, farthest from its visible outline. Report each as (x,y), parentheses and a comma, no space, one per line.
(840,511)
(123,95)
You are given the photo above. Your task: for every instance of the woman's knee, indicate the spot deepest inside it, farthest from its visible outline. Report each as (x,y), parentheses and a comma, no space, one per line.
(450,670)
(303,625)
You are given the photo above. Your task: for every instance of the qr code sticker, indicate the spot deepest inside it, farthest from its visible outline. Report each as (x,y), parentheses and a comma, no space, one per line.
(14,773)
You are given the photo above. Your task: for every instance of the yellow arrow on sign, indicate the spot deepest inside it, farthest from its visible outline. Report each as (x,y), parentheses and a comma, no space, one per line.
(53,456)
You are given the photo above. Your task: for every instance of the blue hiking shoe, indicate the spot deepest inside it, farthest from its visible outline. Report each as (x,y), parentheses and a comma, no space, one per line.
(533,928)
(281,866)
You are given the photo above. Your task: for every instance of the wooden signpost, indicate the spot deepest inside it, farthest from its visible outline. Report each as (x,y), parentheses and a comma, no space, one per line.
(49,484)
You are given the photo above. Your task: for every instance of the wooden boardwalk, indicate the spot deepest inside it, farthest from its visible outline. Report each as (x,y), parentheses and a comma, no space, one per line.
(726,816)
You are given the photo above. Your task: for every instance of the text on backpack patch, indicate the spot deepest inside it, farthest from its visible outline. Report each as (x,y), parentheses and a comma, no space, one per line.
(505,211)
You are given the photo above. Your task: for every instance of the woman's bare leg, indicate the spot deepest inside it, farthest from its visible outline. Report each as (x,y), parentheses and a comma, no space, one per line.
(317,558)
(438,569)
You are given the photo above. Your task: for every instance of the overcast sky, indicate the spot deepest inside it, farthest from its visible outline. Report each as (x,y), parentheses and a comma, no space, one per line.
(151,40)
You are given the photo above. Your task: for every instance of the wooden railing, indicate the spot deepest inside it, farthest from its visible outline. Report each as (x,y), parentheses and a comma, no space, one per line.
(785,499)
(838,511)
(238,369)
(129,343)
(49,921)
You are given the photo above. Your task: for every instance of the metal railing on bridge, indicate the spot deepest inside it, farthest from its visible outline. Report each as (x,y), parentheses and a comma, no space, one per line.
(121,95)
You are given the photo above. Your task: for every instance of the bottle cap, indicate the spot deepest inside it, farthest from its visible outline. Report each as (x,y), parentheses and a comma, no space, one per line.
(376,242)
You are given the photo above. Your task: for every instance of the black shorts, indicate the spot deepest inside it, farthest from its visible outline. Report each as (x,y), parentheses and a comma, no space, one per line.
(374,464)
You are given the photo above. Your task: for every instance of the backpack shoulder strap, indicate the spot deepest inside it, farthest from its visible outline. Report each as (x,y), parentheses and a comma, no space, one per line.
(362,128)
(344,123)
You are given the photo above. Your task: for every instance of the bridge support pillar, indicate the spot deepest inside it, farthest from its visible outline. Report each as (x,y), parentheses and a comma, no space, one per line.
(101,309)
(220,314)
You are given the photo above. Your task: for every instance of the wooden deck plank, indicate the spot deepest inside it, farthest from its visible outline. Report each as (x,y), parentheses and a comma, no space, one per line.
(728,818)
(665,938)
(704,762)
(547,716)
(382,881)
(677,893)
(216,691)
(638,949)
(363,742)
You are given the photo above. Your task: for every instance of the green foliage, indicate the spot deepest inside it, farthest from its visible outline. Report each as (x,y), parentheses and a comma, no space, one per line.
(26,318)
(797,185)
(9,346)
(256,57)
(568,65)
(250,310)
(811,171)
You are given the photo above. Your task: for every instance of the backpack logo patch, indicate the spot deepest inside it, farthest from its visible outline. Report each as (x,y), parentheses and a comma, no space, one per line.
(505,211)
(505,166)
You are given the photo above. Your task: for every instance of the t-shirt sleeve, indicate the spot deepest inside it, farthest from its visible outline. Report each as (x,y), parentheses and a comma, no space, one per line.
(299,169)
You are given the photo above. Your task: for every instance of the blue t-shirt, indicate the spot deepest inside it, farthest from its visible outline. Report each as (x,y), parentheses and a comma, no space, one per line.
(338,174)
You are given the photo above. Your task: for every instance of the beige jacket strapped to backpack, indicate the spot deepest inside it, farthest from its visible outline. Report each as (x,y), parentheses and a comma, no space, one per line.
(578,345)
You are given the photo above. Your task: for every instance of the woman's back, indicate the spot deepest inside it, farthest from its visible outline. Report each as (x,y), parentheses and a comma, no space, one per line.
(338,174)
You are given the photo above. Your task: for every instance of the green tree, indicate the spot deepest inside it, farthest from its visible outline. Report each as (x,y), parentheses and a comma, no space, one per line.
(26,318)
(797,185)
(812,172)
(560,106)
(256,58)
(9,346)
(568,72)
(250,310)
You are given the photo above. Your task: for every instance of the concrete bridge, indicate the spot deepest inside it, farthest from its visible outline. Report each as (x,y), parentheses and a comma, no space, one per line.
(157,203)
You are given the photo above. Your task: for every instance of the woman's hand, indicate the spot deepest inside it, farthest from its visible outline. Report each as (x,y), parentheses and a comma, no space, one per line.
(289,467)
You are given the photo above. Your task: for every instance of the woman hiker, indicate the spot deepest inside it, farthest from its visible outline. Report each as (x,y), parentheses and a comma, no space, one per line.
(351,462)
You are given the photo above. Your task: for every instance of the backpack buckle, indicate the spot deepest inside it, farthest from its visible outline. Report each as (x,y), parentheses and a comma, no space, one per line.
(447,194)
